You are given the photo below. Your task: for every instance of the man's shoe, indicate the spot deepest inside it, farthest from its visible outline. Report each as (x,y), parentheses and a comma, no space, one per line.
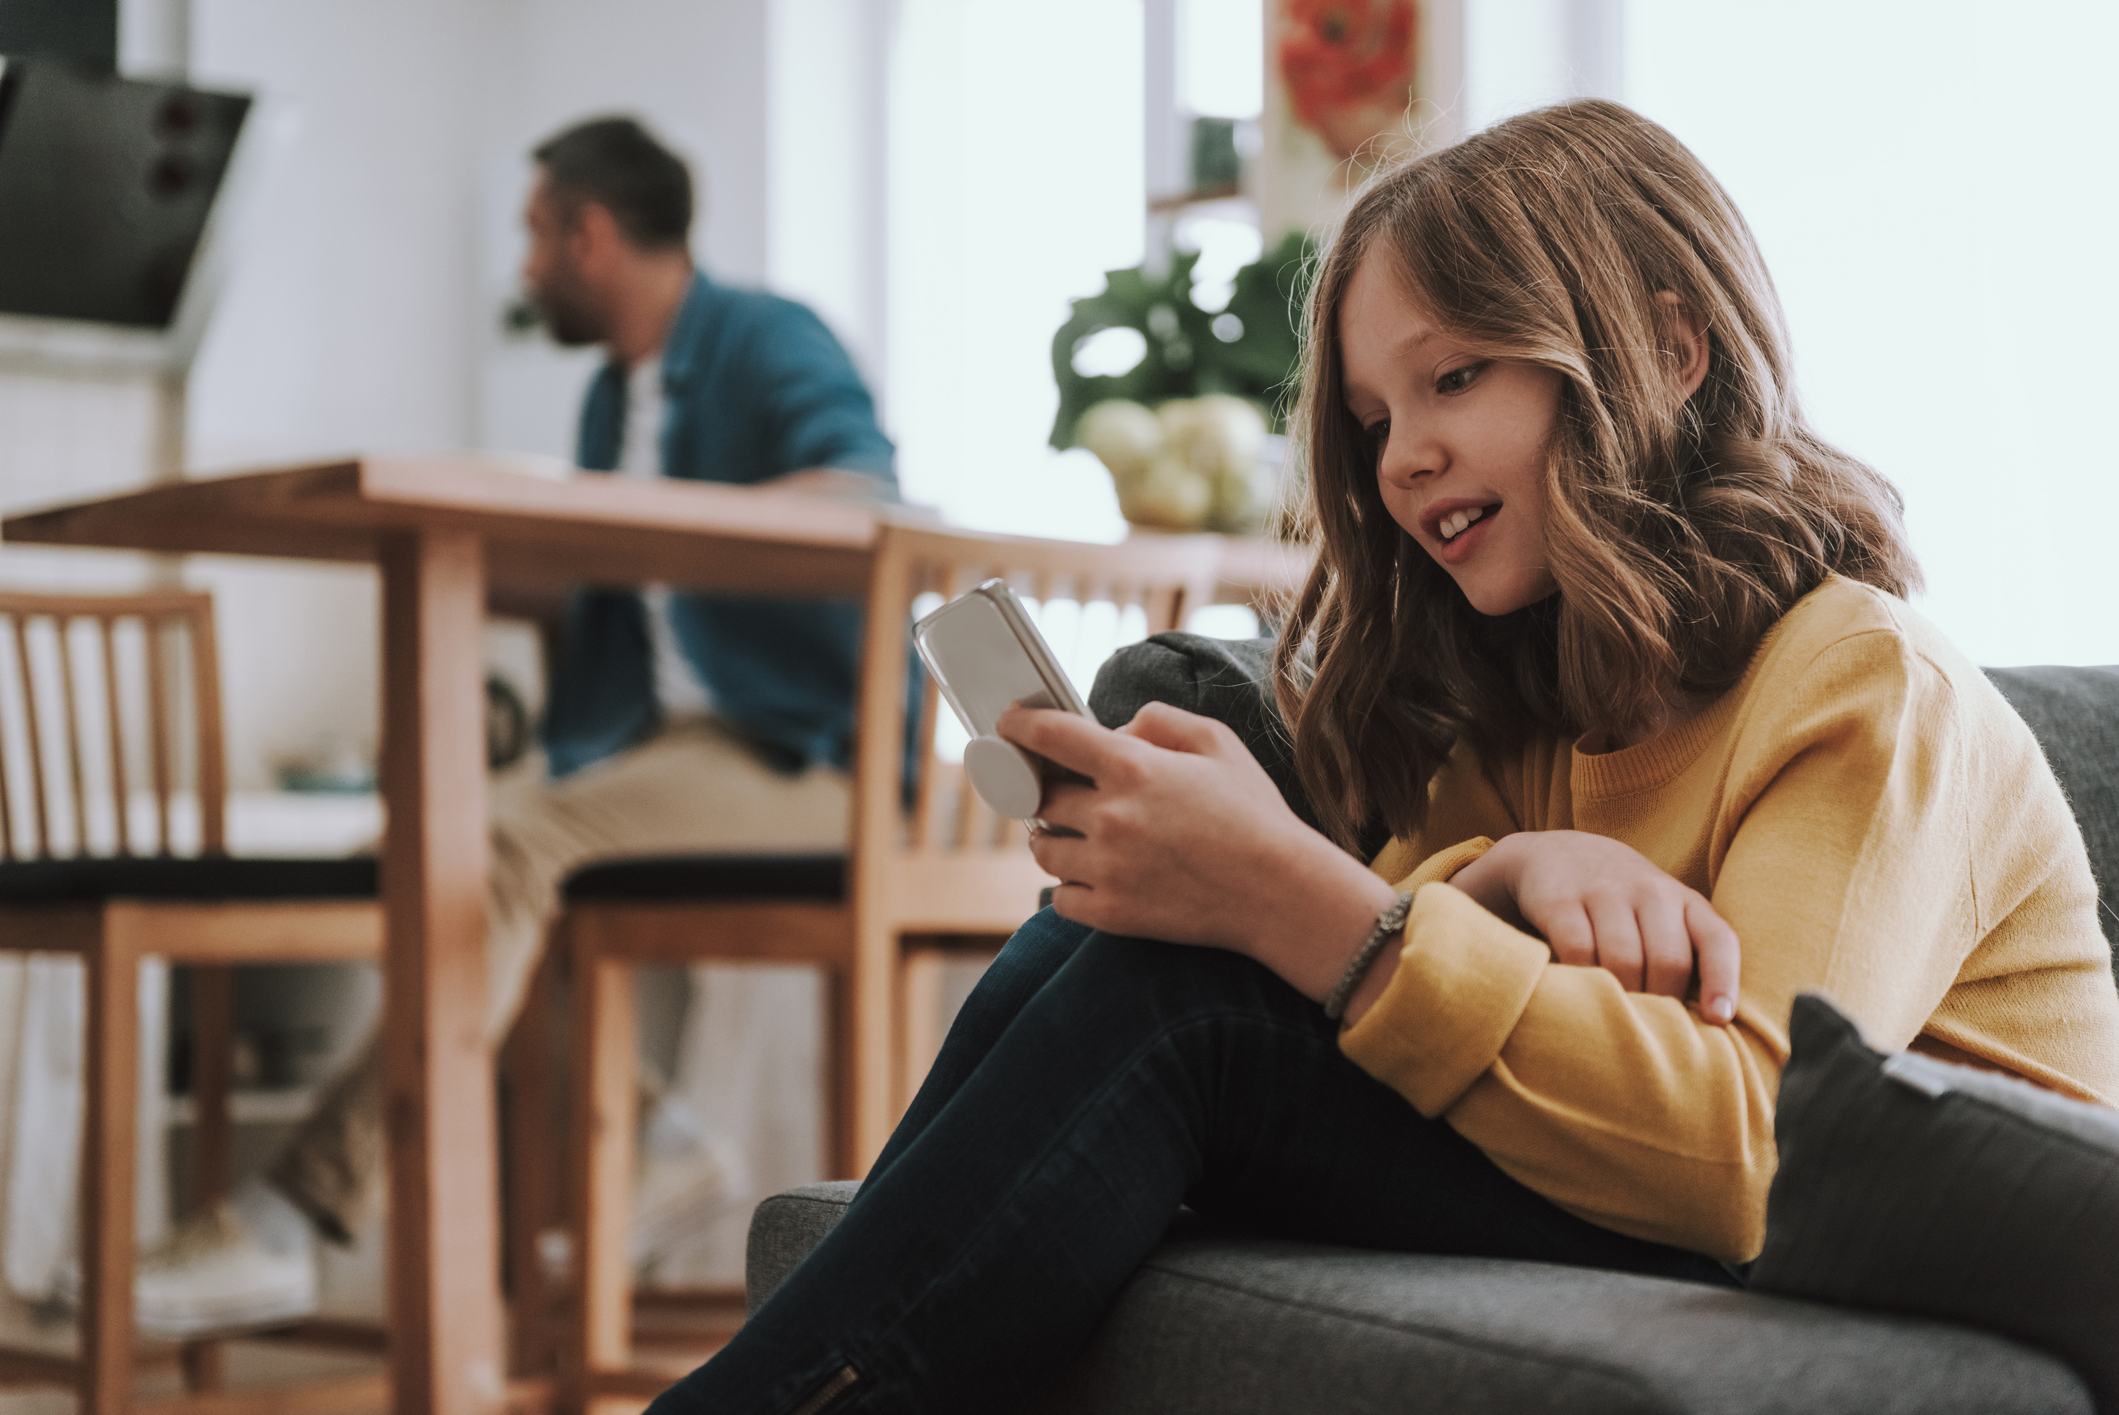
(682,1183)
(212,1276)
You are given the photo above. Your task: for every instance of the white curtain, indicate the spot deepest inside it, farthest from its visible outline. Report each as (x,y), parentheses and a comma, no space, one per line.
(748,1068)
(42,1011)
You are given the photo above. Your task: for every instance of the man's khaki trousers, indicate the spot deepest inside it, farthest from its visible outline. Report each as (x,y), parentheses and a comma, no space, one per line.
(693,788)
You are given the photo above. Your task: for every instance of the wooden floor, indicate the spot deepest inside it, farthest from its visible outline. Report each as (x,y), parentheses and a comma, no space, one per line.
(674,1339)
(249,1363)
(669,1340)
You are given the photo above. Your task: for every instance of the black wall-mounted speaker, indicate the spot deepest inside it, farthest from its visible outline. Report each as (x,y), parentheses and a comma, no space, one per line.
(81,31)
(105,187)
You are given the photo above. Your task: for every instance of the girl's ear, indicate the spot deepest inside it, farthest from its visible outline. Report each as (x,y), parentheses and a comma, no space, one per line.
(1685,338)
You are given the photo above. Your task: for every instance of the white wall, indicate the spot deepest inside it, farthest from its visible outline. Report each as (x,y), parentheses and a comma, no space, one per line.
(1932,189)
(346,325)
(63,438)
(828,164)
(1522,54)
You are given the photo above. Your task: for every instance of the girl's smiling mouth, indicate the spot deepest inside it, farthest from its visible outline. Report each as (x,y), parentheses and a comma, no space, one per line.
(1459,526)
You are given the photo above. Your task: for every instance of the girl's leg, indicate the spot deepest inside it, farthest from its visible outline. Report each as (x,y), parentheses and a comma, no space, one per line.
(1134,1077)
(1012,979)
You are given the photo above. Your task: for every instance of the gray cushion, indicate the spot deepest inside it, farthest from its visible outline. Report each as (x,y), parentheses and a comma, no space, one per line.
(1909,1184)
(782,1231)
(1230,1326)
(1221,678)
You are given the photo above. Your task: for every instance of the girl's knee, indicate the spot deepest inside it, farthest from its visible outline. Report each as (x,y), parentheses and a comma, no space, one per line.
(1176,981)
(1040,947)
(1031,956)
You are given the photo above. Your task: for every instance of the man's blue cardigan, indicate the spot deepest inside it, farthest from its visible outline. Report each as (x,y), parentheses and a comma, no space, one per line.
(754,386)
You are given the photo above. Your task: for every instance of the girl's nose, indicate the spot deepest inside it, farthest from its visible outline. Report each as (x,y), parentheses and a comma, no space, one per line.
(1408,456)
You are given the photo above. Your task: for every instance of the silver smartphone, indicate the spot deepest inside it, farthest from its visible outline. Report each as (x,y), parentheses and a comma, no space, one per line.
(986,656)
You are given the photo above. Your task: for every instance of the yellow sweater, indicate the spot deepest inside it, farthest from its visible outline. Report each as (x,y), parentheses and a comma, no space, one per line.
(1872,819)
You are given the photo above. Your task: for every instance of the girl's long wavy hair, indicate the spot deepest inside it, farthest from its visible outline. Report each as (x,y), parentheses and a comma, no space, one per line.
(1679,531)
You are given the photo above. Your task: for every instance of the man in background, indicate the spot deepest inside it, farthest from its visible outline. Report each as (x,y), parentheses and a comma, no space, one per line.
(676,722)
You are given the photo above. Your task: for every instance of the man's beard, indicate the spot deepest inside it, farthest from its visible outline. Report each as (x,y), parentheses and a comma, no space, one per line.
(570,316)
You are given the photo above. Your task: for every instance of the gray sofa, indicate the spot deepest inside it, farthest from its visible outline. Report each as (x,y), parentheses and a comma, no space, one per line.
(1225,1325)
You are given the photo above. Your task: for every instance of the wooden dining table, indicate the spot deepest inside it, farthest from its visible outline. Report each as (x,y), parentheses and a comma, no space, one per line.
(443,531)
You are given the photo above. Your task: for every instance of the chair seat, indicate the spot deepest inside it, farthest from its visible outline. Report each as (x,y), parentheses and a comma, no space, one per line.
(222,877)
(700,878)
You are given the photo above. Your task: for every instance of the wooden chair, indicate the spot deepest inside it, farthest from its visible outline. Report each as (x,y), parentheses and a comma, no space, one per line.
(930,870)
(100,766)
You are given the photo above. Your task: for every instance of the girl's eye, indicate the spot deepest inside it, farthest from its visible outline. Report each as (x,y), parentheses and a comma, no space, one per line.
(1458,379)
(1377,434)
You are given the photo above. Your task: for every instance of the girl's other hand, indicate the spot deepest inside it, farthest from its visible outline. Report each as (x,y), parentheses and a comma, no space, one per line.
(1599,903)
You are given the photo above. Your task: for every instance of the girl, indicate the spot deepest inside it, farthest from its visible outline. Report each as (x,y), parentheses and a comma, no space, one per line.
(1617,648)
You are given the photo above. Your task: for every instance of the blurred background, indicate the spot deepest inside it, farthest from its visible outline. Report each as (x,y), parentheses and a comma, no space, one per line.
(1932,184)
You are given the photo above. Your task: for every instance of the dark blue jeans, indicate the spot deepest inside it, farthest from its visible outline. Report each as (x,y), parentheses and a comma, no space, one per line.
(1092,1085)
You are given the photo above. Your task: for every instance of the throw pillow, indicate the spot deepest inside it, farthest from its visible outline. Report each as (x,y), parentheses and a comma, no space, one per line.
(1912,1185)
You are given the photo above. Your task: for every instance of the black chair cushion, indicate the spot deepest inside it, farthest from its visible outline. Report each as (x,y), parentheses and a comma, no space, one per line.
(91,881)
(679,878)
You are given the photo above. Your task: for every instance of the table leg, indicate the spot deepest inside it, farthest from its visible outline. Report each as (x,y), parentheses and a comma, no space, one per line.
(445,1311)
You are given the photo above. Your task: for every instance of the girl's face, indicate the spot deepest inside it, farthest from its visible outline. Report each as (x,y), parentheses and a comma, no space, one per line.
(1459,439)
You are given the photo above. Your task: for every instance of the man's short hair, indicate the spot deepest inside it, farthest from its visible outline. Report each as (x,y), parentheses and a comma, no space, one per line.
(618,164)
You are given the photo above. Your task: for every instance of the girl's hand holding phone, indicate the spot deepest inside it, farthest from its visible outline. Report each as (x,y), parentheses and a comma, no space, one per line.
(1184,838)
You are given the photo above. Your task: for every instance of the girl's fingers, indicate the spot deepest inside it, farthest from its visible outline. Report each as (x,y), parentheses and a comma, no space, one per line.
(1618,941)
(1162,725)
(1666,945)
(1569,936)
(1076,743)
(1061,856)
(1074,902)
(1067,803)
(1721,959)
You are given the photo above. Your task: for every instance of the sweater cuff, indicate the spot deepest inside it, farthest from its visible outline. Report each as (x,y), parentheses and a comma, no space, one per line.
(1462,982)
(1440,867)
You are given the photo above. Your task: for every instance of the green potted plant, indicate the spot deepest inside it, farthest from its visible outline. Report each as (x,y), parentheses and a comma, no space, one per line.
(1190,431)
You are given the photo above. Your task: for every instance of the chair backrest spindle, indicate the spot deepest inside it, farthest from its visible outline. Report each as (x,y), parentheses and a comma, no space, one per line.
(73,733)
(35,738)
(107,629)
(180,677)
(206,707)
(158,730)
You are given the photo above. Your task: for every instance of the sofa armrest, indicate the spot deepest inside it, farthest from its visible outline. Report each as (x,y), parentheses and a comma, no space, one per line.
(782,1231)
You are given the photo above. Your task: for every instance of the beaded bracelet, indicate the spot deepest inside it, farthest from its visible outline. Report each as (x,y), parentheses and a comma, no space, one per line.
(1392,920)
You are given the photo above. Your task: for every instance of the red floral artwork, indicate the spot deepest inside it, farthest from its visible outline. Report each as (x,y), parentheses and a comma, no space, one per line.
(1348,66)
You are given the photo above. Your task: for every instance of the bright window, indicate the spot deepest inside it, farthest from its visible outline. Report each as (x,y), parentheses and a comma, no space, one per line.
(1016,182)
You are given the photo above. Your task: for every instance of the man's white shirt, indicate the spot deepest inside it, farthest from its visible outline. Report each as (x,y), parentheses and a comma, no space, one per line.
(677,686)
